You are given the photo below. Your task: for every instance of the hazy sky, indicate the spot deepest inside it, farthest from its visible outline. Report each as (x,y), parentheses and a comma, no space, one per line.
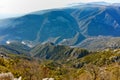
(25,6)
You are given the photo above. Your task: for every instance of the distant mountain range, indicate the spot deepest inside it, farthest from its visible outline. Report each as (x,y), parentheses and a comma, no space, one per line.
(70,26)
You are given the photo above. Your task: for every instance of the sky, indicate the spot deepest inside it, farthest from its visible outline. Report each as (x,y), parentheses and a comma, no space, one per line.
(18,7)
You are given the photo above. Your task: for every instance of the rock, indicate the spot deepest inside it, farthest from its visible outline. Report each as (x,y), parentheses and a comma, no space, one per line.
(8,76)
(48,79)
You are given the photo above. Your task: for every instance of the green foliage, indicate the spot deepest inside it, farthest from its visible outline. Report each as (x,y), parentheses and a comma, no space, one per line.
(74,64)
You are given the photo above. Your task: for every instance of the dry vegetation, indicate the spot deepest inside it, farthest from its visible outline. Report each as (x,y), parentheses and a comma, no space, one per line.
(104,65)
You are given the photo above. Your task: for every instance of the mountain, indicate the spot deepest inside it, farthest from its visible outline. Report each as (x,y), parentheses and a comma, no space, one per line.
(15,48)
(57,52)
(100,43)
(94,19)
(49,43)
(51,26)
(98,20)
(67,26)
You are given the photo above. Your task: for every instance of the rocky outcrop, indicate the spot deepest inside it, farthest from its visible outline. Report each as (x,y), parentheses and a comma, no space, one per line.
(8,76)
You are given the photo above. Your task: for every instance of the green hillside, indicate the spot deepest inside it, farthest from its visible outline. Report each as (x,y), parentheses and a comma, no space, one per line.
(63,63)
(57,52)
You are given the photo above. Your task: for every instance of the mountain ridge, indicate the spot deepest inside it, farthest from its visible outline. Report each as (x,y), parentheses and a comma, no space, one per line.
(66,26)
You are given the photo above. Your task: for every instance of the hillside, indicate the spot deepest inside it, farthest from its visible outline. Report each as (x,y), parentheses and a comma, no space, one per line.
(15,48)
(57,52)
(94,20)
(102,65)
(52,26)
